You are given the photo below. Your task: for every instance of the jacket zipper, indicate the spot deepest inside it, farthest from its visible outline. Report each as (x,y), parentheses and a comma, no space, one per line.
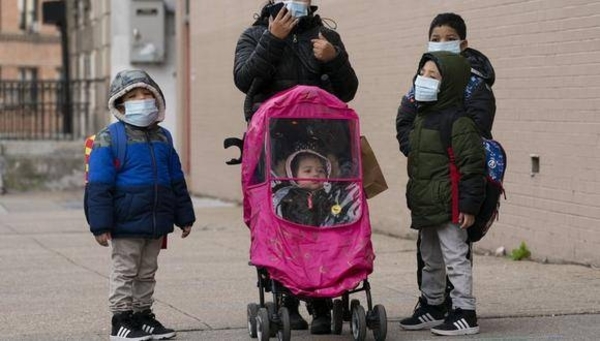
(155,177)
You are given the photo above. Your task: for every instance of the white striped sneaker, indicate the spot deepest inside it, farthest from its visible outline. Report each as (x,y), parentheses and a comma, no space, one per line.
(425,316)
(124,328)
(149,324)
(459,322)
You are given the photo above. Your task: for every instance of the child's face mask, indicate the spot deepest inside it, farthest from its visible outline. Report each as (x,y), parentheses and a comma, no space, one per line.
(141,113)
(426,89)
(449,46)
(298,9)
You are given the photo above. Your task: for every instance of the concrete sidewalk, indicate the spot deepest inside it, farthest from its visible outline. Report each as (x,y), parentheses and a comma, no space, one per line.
(54,280)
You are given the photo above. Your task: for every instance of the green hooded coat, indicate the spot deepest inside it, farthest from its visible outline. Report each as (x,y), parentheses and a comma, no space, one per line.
(438,126)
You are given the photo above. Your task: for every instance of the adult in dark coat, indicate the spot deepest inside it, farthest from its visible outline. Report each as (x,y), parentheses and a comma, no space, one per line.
(283,49)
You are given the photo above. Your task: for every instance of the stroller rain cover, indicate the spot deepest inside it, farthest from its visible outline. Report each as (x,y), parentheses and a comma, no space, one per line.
(310,261)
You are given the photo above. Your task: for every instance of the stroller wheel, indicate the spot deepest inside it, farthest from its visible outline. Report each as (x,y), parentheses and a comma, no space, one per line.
(284,333)
(379,322)
(252,311)
(353,303)
(263,324)
(272,315)
(359,323)
(337,317)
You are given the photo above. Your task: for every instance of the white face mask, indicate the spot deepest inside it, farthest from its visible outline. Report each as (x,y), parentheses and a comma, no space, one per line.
(297,9)
(426,89)
(141,113)
(449,46)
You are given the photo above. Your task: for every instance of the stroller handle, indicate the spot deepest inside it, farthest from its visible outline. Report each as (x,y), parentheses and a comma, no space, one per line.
(234,142)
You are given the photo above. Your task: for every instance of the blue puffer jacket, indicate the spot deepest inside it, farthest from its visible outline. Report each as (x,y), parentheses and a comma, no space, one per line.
(146,195)
(143,198)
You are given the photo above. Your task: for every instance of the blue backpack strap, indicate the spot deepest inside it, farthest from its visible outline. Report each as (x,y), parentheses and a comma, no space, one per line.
(118,142)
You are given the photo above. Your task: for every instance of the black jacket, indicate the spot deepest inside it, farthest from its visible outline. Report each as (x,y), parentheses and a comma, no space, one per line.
(480,103)
(265,65)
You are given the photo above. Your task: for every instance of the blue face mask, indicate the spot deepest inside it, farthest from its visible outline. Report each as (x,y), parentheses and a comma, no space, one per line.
(297,9)
(141,113)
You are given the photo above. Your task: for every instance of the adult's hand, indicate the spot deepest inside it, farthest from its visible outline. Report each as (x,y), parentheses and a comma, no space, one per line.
(323,50)
(282,24)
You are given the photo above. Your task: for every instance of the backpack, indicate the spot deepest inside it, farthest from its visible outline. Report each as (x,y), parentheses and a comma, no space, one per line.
(495,168)
(119,145)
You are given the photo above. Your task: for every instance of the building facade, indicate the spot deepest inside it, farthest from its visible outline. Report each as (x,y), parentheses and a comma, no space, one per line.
(89,40)
(547,90)
(29,50)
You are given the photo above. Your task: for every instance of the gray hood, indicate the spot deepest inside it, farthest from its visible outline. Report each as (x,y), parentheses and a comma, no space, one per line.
(129,79)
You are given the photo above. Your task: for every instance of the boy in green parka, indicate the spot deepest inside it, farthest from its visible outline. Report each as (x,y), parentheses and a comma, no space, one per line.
(445,196)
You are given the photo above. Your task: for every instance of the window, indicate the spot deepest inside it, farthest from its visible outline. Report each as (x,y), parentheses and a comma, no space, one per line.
(29,78)
(314,171)
(28,15)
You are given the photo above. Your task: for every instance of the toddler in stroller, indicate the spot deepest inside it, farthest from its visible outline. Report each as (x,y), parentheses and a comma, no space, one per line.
(307,213)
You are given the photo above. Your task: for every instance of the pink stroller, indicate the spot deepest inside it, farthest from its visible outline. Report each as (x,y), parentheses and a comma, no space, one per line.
(310,243)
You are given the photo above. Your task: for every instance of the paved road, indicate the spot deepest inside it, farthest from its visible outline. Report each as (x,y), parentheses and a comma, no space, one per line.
(54,281)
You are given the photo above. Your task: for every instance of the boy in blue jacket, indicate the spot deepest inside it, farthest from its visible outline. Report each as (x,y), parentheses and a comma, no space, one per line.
(134,205)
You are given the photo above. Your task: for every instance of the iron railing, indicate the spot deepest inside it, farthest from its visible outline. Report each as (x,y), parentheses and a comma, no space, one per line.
(42,110)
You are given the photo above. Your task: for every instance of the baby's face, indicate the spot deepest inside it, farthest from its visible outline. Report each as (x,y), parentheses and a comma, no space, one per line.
(311,167)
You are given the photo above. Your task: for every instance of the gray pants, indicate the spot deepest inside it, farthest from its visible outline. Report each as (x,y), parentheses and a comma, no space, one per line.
(445,250)
(132,280)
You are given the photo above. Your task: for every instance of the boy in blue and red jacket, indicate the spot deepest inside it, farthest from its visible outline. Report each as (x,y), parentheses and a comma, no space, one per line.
(134,205)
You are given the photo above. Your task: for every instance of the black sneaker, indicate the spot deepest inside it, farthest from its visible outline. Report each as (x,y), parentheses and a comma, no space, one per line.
(297,322)
(125,328)
(459,322)
(425,316)
(150,324)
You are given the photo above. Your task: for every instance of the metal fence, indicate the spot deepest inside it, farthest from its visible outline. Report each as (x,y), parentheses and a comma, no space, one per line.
(47,110)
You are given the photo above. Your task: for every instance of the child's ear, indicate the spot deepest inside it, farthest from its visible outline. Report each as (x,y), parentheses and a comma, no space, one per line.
(464,44)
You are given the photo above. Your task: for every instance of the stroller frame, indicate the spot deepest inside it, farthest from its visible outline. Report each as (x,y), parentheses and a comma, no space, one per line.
(270,319)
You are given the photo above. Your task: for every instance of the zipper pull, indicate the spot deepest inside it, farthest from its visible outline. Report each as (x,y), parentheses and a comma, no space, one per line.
(295,38)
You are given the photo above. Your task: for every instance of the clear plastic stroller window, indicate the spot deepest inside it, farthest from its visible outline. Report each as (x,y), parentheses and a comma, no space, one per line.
(314,171)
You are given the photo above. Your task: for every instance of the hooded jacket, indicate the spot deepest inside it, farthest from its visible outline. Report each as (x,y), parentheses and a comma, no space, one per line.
(428,192)
(147,195)
(265,64)
(480,103)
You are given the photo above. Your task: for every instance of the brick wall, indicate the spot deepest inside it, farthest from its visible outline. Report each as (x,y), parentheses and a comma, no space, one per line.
(547,88)
(19,49)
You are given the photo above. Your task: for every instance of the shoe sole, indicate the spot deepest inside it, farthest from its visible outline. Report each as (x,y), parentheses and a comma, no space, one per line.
(118,338)
(163,336)
(468,331)
(421,326)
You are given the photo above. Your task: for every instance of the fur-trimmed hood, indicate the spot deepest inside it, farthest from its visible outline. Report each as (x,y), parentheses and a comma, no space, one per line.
(127,80)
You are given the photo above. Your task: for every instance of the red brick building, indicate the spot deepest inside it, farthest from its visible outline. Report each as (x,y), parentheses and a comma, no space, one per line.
(29,50)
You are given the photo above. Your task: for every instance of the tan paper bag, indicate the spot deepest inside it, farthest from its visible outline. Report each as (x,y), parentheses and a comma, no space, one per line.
(373,179)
